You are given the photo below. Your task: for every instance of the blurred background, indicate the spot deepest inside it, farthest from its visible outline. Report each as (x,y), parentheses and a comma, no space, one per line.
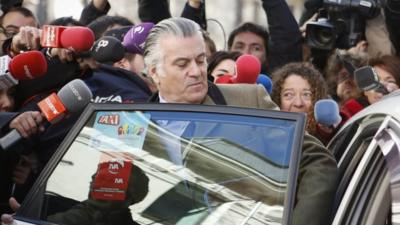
(222,15)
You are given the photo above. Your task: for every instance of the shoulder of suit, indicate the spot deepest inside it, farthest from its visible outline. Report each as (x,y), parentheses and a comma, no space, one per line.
(237,88)
(244,95)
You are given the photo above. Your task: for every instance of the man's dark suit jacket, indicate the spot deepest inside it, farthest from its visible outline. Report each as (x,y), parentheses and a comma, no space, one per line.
(317,178)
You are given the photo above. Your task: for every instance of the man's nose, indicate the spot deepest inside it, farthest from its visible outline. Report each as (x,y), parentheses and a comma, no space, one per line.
(195,69)
(246,50)
(6,104)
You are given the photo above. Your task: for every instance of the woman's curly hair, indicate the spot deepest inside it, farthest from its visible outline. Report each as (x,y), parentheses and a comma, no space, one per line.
(314,78)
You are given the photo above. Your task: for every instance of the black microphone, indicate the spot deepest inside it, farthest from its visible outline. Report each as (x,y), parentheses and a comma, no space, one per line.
(107,50)
(367,79)
(71,98)
(326,112)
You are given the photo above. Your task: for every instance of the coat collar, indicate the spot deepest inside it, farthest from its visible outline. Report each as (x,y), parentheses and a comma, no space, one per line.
(213,96)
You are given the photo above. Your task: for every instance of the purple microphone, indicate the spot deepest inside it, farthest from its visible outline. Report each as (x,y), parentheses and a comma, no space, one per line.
(135,38)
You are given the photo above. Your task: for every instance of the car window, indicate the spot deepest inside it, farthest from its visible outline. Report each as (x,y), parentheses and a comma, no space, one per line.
(165,167)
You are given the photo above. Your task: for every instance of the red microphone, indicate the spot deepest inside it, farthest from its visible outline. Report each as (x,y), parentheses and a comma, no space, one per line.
(78,38)
(28,65)
(24,66)
(248,67)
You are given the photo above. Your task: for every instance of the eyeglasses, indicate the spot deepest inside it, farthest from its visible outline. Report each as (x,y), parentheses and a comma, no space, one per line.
(8,33)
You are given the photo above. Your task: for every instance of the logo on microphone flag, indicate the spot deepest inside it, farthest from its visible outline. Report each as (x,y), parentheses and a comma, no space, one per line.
(52,108)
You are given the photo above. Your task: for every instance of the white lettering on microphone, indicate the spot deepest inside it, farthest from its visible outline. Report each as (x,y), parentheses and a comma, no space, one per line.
(138,29)
(51,106)
(76,92)
(51,36)
(27,72)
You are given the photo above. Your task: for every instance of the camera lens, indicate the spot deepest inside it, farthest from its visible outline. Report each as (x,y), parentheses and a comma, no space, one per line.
(324,36)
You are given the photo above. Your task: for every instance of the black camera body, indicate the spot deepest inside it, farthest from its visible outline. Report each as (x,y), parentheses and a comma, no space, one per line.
(341,23)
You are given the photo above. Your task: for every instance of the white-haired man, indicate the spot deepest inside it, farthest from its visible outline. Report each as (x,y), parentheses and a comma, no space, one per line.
(174,56)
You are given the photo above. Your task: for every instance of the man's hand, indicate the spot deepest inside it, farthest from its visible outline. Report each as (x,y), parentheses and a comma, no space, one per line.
(194,3)
(304,27)
(27,39)
(100,4)
(360,48)
(7,219)
(28,123)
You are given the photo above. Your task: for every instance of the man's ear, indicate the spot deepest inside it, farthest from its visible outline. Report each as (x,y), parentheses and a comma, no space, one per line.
(153,74)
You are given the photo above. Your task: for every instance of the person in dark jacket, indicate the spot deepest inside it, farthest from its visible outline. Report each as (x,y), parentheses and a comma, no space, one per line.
(156,10)
(94,10)
(108,83)
(283,43)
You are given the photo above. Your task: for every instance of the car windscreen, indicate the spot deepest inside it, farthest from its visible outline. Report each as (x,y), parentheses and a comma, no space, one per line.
(176,167)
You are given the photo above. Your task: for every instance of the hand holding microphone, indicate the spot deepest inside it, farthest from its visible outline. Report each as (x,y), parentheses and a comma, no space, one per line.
(71,98)
(28,123)
(78,39)
(28,38)
(67,42)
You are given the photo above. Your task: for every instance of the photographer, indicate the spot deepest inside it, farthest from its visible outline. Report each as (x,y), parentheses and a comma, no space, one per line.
(343,25)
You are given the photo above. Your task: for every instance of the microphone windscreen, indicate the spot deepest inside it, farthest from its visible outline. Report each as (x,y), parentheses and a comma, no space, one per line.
(28,65)
(366,78)
(265,81)
(77,38)
(326,112)
(248,68)
(135,38)
(108,50)
(75,95)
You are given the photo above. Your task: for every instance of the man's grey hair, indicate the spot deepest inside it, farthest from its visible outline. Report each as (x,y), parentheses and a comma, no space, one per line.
(175,26)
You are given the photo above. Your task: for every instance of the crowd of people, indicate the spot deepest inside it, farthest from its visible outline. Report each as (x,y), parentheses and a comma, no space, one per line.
(174,60)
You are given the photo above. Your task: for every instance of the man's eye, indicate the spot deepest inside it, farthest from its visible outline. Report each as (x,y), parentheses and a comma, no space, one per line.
(237,47)
(181,65)
(200,62)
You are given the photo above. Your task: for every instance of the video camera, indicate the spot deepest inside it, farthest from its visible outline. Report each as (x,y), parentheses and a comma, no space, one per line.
(341,23)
